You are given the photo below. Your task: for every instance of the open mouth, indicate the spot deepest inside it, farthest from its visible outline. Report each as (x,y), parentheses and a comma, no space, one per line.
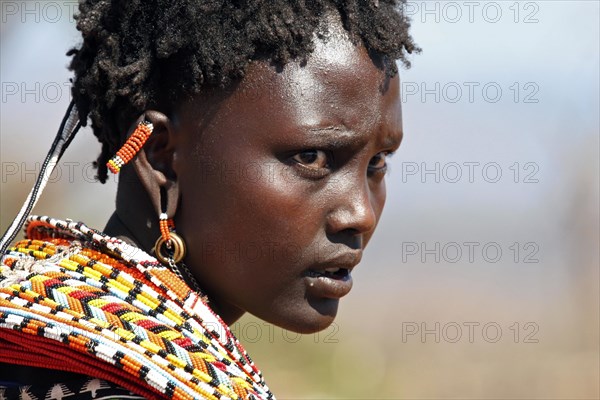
(331,273)
(332,283)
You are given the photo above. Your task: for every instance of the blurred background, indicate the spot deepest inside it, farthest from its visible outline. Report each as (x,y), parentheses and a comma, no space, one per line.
(482,280)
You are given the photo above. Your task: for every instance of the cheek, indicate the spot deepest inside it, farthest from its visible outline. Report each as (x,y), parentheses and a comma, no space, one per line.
(250,241)
(246,220)
(378,198)
(378,195)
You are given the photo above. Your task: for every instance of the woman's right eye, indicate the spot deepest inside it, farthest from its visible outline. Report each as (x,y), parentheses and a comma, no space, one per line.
(313,159)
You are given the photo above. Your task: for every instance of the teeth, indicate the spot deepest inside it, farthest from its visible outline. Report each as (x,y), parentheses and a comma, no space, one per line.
(334,272)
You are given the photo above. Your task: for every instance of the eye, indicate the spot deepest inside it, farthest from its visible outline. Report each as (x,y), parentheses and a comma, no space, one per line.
(378,162)
(313,159)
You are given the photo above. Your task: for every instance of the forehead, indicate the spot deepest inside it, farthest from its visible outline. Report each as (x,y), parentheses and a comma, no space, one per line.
(338,86)
(338,81)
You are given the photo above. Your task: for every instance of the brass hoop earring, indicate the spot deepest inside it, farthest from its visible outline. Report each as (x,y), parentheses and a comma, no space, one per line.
(170,251)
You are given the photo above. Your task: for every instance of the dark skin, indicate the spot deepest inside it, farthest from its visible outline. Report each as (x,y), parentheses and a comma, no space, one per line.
(271,182)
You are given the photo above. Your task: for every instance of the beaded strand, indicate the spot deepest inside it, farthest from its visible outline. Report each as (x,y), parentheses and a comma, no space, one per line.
(131,147)
(165,224)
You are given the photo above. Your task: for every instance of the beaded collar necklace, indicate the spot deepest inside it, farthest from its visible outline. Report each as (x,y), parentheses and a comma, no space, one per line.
(72,298)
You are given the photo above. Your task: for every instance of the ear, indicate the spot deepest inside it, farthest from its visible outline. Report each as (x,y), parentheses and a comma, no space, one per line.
(153,164)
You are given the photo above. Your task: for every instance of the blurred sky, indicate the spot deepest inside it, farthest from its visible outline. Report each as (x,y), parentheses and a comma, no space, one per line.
(532,117)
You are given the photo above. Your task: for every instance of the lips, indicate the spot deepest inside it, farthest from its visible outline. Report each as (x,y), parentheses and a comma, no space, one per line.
(332,279)
(331,273)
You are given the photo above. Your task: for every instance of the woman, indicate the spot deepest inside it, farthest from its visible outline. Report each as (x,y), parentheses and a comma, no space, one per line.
(251,144)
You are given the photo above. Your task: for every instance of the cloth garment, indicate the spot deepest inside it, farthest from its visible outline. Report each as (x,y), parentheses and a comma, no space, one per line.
(43,384)
(73,299)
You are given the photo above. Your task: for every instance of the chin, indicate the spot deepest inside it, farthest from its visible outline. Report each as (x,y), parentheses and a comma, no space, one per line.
(315,315)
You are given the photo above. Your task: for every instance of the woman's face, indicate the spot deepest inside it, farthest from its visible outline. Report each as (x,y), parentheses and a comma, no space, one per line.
(282,183)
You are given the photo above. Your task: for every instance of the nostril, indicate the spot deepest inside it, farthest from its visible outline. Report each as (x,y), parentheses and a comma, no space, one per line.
(350,238)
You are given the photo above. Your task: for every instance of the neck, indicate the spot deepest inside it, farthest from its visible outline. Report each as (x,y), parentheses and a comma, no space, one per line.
(136,223)
(116,227)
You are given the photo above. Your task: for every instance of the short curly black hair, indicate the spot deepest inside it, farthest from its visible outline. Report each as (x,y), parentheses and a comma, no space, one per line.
(133,49)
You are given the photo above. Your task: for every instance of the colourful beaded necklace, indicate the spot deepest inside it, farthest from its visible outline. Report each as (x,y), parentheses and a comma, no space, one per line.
(74,299)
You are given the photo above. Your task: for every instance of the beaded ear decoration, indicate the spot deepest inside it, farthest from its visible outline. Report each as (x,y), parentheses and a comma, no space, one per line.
(131,147)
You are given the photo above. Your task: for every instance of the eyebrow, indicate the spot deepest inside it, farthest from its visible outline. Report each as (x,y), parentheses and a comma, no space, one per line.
(326,128)
(348,138)
(337,136)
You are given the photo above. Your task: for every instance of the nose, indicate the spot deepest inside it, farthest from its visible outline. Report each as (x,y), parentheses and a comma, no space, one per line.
(354,213)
